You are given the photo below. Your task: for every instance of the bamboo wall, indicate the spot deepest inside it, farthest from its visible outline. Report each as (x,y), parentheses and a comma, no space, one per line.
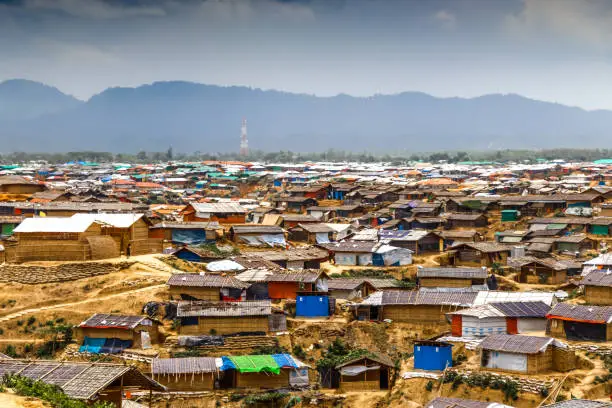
(417,313)
(196,292)
(187,382)
(112,333)
(445,282)
(48,246)
(227,325)
(598,295)
(366,381)
(564,359)
(263,380)
(540,362)
(556,328)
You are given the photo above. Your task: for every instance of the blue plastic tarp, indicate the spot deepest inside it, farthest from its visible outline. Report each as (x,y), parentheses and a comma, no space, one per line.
(227,364)
(92,345)
(115,346)
(188,236)
(284,360)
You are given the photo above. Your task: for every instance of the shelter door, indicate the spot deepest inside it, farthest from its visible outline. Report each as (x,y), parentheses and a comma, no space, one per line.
(585,331)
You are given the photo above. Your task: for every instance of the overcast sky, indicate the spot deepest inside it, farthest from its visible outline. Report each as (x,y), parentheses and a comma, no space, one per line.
(554,50)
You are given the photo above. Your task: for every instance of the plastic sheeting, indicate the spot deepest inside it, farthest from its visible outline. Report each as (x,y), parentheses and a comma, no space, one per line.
(284,360)
(322,237)
(224,265)
(189,237)
(91,345)
(351,371)
(195,341)
(299,377)
(255,364)
(115,346)
(271,240)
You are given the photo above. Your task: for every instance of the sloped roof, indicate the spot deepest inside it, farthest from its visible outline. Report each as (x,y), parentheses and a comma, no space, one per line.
(186,365)
(580,403)
(598,278)
(522,309)
(79,380)
(589,314)
(513,343)
(444,402)
(115,321)
(302,276)
(494,296)
(316,228)
(456,273)
(116,220)
(417,297)
(54,224)
(205,281)
(216,208)
(257,229)
(224,309)
(377,357)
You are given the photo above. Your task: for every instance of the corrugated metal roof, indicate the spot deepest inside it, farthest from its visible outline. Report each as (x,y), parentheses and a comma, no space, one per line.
(511,343)
(115,321)
(598,278)
(186,365)
(456,273)
(522,309)
(592,314)
(224,309)
(444,402)
(416,297)
(217,208)
(205,281)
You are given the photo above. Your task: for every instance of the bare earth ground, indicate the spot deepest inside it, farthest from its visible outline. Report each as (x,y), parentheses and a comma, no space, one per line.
(9,400)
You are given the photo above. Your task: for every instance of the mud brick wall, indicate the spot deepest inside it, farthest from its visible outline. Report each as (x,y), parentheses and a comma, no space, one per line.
(32,275)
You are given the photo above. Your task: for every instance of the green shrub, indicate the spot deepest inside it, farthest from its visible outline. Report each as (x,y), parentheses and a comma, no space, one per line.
(429,386)
(47,392)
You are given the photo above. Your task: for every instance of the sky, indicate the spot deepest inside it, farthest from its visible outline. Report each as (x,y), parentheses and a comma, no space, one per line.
(552,50)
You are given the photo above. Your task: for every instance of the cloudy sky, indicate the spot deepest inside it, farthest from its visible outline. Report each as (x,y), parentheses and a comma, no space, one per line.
(554,50)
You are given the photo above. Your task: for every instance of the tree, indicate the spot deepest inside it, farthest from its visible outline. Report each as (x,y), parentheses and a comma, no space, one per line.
(142,155)
(169,153)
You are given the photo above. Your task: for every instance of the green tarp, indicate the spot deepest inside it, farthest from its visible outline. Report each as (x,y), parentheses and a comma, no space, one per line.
(556,226)
(255,364)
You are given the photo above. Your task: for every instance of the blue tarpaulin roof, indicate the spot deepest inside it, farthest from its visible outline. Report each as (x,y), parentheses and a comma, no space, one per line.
(284,360)
(91,345)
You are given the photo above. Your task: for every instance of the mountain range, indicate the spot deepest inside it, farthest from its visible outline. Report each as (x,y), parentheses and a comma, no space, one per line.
(193,117)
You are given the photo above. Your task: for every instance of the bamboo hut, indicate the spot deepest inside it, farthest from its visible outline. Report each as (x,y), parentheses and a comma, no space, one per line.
(524,354)
(580,323)
(126,230)
(185,374)
(263,372)
(111,333)
(205,317)
(60,239)
(451,277)
(88,382)
(413,306)
(598,287)
(371,372)
(191,286)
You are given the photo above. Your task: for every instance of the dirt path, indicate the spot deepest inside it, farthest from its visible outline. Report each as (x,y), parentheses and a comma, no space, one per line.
(72,304)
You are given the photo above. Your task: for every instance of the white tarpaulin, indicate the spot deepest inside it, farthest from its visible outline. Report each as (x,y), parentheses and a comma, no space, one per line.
(507,361)
(352,371)
(264,240)
(299,377)
(322,238)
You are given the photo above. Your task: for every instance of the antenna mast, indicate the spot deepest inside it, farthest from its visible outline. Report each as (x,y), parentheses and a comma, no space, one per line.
(244,141)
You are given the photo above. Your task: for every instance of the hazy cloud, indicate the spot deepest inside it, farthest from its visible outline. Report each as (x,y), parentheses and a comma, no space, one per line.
(446,19)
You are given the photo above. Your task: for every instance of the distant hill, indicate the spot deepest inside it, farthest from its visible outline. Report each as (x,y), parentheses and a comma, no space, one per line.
(207,118)
(22,99)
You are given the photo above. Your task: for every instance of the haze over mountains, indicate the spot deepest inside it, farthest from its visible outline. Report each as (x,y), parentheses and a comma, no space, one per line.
(192,117)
